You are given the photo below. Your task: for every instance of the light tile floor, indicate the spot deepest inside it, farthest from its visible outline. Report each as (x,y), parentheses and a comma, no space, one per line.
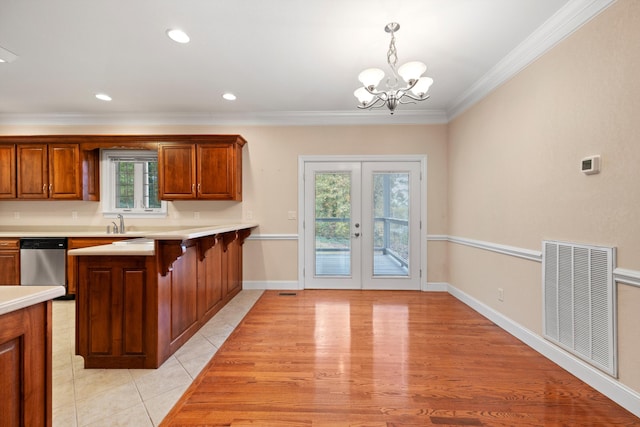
(131,397)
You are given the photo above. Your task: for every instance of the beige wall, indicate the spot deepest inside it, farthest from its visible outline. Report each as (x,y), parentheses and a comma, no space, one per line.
(506,171)
(514,171)
(270,180)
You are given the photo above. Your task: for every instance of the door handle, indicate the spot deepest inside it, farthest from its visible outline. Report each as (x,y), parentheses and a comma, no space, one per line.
(356,235)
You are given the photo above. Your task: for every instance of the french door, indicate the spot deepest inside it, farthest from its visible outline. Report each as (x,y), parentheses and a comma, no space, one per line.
(361,225)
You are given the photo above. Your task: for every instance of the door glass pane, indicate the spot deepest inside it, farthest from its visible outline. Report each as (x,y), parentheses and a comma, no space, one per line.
(391,224)
(333,223)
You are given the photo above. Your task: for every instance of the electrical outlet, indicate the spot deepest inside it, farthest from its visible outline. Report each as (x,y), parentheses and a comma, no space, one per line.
(291,215)
(74,214)
(248,215)
(196,215)
(500,294)
(16,215)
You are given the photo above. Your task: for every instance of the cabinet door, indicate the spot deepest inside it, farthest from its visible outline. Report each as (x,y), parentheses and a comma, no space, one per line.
(7,171)
(216,171)
(177,171)
(9,266)
(112,314)
(32,171)
(65,176)
(25,366)
(72,264)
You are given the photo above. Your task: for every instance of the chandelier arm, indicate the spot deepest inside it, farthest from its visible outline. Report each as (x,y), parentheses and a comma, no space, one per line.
(371,106)
(373,103)
(415,98)
(380,95)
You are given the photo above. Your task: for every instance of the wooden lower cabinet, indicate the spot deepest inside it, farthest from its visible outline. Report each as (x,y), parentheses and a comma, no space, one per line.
(114,318)
(136,311)
(25,366)
(9,262)
(83,242)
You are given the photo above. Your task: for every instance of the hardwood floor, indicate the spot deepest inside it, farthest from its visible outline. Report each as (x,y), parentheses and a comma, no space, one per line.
(383,358)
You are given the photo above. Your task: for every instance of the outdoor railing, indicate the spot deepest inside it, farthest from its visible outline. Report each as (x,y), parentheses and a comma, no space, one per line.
(391,236)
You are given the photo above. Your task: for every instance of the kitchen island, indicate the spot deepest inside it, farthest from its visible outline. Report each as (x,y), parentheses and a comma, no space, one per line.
(140,300)
(25,354)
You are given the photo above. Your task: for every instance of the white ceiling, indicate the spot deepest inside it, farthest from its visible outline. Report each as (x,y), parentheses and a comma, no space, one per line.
(288,61)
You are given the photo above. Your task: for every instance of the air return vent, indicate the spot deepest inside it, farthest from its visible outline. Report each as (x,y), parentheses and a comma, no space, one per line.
(579,304)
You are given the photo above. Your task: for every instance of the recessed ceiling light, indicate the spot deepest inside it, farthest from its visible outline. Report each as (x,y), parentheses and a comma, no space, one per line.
(229,96)
(103,97)
(178,36)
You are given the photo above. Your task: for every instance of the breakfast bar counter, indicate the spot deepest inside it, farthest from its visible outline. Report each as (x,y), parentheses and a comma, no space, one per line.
(139,300)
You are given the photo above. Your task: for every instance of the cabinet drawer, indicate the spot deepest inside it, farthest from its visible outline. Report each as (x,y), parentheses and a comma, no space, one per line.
(6,244)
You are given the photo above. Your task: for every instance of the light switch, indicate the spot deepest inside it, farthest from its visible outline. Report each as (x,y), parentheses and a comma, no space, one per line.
(291,215)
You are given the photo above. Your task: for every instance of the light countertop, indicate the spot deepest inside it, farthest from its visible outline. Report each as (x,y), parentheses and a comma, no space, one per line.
(146,246)
(168,233)
(14,298)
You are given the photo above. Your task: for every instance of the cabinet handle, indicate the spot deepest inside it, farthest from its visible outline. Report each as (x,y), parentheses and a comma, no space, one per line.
(50,186)
(199,191)
(4,243)
(193,188)
(44,188)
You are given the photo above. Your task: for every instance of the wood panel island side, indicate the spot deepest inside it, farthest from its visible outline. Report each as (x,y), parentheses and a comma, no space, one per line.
(140,300)
(25,354)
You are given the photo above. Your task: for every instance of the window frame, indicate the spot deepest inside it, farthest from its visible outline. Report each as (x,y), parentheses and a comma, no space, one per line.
(108,185)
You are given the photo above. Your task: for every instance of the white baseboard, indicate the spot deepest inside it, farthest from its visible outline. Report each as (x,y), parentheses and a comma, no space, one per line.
(436,287)
(269,285)
(610,387)
(294,285)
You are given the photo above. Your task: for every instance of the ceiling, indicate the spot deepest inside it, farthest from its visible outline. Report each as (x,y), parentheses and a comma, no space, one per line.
(287,61)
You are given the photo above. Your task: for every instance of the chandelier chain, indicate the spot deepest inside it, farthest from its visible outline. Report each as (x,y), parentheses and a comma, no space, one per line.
(392,60)
(392,54)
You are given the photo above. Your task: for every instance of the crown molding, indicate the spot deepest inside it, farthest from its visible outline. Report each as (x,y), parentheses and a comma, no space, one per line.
(288,118)
(563,23)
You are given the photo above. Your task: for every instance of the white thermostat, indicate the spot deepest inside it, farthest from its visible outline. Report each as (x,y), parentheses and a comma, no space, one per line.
(590,165)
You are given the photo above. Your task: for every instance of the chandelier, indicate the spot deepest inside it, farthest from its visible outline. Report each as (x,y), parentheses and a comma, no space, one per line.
(416,86)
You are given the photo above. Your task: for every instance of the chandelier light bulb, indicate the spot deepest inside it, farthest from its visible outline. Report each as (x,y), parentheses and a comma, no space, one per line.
(363,95)
(420,89)
(371,77)
(412,71)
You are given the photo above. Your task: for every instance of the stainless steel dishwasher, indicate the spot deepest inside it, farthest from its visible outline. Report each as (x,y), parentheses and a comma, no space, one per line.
(43,261)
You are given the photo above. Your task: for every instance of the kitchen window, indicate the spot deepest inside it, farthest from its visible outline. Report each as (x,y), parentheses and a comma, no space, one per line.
(130,183)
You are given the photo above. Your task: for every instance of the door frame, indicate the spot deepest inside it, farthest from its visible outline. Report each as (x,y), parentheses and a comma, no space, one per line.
(422,158)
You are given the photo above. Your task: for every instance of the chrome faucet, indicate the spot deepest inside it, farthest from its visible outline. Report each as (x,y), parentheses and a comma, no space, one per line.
(121,228)
(114,228)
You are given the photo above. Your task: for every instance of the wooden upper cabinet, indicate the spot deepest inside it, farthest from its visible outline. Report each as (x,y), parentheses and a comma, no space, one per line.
(205,171)
(67,167)
(216,164)
(32,171)
(91,175)
(48,171)
(177,171)
(7,171)
(65,174)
